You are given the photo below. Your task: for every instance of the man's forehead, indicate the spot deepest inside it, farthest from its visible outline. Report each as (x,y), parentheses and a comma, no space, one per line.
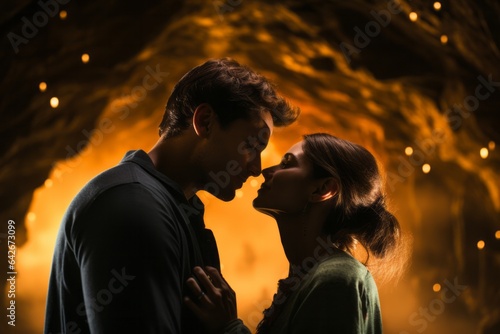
(268,119)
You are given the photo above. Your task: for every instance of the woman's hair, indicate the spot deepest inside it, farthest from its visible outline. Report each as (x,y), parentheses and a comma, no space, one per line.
(359,213)
(234,91)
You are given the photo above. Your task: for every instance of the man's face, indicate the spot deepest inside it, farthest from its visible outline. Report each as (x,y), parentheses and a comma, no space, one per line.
(233,154)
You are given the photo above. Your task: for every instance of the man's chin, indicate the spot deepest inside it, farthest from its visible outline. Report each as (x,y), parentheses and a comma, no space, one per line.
(226,196)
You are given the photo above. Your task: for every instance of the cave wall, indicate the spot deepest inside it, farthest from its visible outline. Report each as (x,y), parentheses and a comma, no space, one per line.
(361,69)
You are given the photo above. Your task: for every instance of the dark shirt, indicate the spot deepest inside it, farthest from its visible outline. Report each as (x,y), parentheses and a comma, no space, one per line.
(338,295)
(126,246)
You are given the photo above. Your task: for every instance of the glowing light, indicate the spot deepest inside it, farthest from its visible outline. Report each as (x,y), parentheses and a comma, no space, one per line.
(85,58)
(437,5)
(491,145)
(426,168)
(497,234)
(57,173)
(63,14)
(409,151)
(48,183)
(54,102)
(254,183)
(31,217)
(480,244)
(42,86)
(484,153)
(444,39)
(413,16)
(239,193)
(436,287)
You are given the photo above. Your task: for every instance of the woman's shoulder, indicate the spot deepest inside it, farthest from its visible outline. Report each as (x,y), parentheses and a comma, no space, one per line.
(342,269)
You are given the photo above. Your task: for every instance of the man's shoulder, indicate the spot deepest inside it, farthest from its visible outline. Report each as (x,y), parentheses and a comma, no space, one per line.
(126,179)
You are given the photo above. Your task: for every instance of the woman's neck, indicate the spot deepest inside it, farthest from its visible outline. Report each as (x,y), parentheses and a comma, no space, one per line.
(303,241)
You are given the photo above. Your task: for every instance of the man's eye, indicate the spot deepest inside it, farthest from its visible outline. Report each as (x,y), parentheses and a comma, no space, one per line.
(284,162)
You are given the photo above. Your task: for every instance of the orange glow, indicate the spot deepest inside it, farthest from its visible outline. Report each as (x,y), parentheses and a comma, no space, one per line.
(249,243)
(409,151)
(42,86)
(48,183)
(31,217)
(85,58)
(426,168)
(484,153)
(367,94)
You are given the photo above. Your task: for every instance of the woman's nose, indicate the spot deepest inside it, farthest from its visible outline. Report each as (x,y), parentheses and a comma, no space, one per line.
(268,172)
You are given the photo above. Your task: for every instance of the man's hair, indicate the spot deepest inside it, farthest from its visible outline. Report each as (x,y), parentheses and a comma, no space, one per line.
(234,91)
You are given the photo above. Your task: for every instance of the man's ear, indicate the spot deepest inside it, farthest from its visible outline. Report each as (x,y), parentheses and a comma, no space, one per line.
(326,189)
(203,119)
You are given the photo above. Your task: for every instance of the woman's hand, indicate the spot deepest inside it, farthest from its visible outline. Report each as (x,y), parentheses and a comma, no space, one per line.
(214,302)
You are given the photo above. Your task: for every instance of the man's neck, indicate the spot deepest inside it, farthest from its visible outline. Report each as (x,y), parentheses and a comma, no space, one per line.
(173,158)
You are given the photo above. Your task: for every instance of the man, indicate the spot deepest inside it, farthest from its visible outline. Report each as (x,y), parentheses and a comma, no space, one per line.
(132,236)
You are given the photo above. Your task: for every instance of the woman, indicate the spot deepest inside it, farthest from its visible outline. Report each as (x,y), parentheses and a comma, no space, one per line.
(326,196)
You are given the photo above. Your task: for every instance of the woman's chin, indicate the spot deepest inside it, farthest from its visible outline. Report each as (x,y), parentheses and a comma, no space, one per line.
(274,213)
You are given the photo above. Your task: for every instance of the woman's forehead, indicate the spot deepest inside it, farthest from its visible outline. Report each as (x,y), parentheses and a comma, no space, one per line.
(296,149)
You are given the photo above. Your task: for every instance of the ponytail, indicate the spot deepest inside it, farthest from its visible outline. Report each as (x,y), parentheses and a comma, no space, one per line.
(378,231)
(376,228)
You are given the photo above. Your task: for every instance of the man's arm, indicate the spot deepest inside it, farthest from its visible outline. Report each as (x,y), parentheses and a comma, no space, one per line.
(128,249)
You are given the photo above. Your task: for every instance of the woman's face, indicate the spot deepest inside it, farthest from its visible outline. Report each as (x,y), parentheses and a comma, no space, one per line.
(287,186)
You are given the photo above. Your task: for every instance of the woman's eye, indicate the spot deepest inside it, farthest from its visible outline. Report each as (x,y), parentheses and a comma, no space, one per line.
(284,162)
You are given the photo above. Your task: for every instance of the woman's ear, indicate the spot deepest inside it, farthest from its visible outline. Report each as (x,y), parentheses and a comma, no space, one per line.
(203,118)
(326,189)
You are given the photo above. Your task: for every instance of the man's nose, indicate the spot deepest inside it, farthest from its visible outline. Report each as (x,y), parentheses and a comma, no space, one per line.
(255,166)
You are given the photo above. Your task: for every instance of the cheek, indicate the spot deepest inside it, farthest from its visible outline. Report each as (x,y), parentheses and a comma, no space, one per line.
(224,155)
(290,194)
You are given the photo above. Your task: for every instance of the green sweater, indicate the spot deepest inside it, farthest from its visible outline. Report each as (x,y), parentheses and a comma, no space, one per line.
(338,296)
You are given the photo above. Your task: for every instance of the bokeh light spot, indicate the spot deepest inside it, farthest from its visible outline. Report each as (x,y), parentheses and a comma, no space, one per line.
(54,102)
(426,168)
